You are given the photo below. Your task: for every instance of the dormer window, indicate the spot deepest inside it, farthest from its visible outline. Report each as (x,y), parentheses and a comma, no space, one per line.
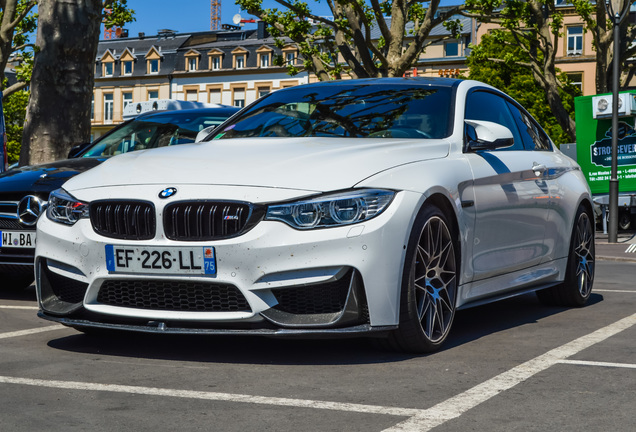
(192,60)
(153,61)
(108,69)
(127,61)
(153,66)
(108,63)
(264,56)
(215,58)
(290,54)
(239,58)
(127,67)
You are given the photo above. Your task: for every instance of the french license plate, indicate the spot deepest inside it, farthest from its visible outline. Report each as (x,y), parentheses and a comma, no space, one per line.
(18,239)
(161,260)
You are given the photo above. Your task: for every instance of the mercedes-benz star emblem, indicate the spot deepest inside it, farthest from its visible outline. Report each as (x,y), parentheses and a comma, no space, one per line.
(29,210)
(167,192)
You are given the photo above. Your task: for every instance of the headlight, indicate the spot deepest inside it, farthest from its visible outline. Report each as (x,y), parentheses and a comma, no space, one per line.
(64,208)
(344,208)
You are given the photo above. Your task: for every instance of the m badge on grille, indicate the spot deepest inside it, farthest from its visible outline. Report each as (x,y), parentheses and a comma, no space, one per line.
(167,192)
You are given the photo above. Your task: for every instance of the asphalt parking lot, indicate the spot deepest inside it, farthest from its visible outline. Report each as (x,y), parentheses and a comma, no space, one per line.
(514,365)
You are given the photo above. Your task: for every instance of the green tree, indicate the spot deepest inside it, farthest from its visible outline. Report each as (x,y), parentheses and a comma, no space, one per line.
(14,106)
(594,15)
(500,62)
(58,114)
(535,26)
(17,21)
(362,39)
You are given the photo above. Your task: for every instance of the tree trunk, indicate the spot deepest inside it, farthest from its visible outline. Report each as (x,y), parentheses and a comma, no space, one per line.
(58,114)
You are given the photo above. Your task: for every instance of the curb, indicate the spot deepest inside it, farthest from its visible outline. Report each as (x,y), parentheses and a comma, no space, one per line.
(615,258)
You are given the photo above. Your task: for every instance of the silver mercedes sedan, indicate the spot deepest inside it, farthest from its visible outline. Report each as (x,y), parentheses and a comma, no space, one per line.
(353,208)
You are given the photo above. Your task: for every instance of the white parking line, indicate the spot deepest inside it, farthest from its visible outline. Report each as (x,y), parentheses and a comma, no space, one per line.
(456,406)
(225,397)
(615,291)
(419,420)
(601,364)
(31,331)
(19,307)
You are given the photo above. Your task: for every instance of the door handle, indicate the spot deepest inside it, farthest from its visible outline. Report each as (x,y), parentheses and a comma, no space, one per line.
(539,169)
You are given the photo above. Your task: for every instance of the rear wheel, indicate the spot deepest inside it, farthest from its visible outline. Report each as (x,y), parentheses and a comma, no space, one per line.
(579,275)
(429,285)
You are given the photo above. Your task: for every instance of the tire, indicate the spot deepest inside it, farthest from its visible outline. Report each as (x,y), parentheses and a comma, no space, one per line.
(429,285)
(576,288)
(624,220)
(16,281)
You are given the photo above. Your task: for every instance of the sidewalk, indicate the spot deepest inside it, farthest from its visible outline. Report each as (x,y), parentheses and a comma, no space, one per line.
(615,251)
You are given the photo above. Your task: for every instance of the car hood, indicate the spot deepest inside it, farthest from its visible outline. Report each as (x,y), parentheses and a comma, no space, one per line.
(313,164)
(42,179)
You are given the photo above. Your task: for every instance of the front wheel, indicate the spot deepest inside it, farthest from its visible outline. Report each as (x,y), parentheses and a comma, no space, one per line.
(576,288)
(429,285)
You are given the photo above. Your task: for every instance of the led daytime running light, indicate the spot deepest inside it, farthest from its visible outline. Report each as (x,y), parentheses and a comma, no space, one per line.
(340,209)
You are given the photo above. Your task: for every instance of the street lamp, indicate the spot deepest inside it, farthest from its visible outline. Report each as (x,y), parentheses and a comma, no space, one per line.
(617,9)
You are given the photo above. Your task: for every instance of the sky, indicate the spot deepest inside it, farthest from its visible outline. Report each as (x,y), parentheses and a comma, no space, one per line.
(194,15)
(186,16)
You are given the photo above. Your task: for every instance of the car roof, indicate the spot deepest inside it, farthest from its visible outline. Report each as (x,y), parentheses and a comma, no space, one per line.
(197,111)
(432,81)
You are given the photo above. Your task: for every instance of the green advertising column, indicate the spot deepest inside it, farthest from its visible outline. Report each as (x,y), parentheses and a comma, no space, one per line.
(594,146)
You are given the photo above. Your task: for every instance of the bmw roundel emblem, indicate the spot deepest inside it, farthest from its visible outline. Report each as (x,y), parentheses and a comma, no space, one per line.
(168,192)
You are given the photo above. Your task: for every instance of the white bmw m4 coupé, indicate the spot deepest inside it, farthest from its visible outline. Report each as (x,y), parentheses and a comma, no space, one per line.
(353,208)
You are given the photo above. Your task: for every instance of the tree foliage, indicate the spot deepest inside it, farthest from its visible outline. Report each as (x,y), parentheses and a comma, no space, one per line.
(361,39)
(535,27)
(500,62)
(14,106)
(595,17)
(17,21)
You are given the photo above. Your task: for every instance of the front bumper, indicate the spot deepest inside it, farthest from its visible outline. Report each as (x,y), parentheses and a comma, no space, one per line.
(335,281)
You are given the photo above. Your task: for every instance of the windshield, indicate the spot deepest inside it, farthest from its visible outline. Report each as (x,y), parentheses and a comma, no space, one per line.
(156,130)
(361,110)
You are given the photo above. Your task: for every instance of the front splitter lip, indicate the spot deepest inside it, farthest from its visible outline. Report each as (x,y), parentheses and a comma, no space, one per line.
(354,331)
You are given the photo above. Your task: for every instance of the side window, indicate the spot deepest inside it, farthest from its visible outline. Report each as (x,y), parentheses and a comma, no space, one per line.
(534,138)
(482,105)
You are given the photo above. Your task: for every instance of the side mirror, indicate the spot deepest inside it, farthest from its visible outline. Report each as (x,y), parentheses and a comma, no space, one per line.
(76,150)
(204,133)
(485,135)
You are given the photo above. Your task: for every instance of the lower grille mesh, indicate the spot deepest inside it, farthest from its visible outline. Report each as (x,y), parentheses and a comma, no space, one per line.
(317,299)
(173,296)
(66,289)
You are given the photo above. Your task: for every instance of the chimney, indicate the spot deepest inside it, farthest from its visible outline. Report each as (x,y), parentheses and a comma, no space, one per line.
(142,35)
(261,32)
